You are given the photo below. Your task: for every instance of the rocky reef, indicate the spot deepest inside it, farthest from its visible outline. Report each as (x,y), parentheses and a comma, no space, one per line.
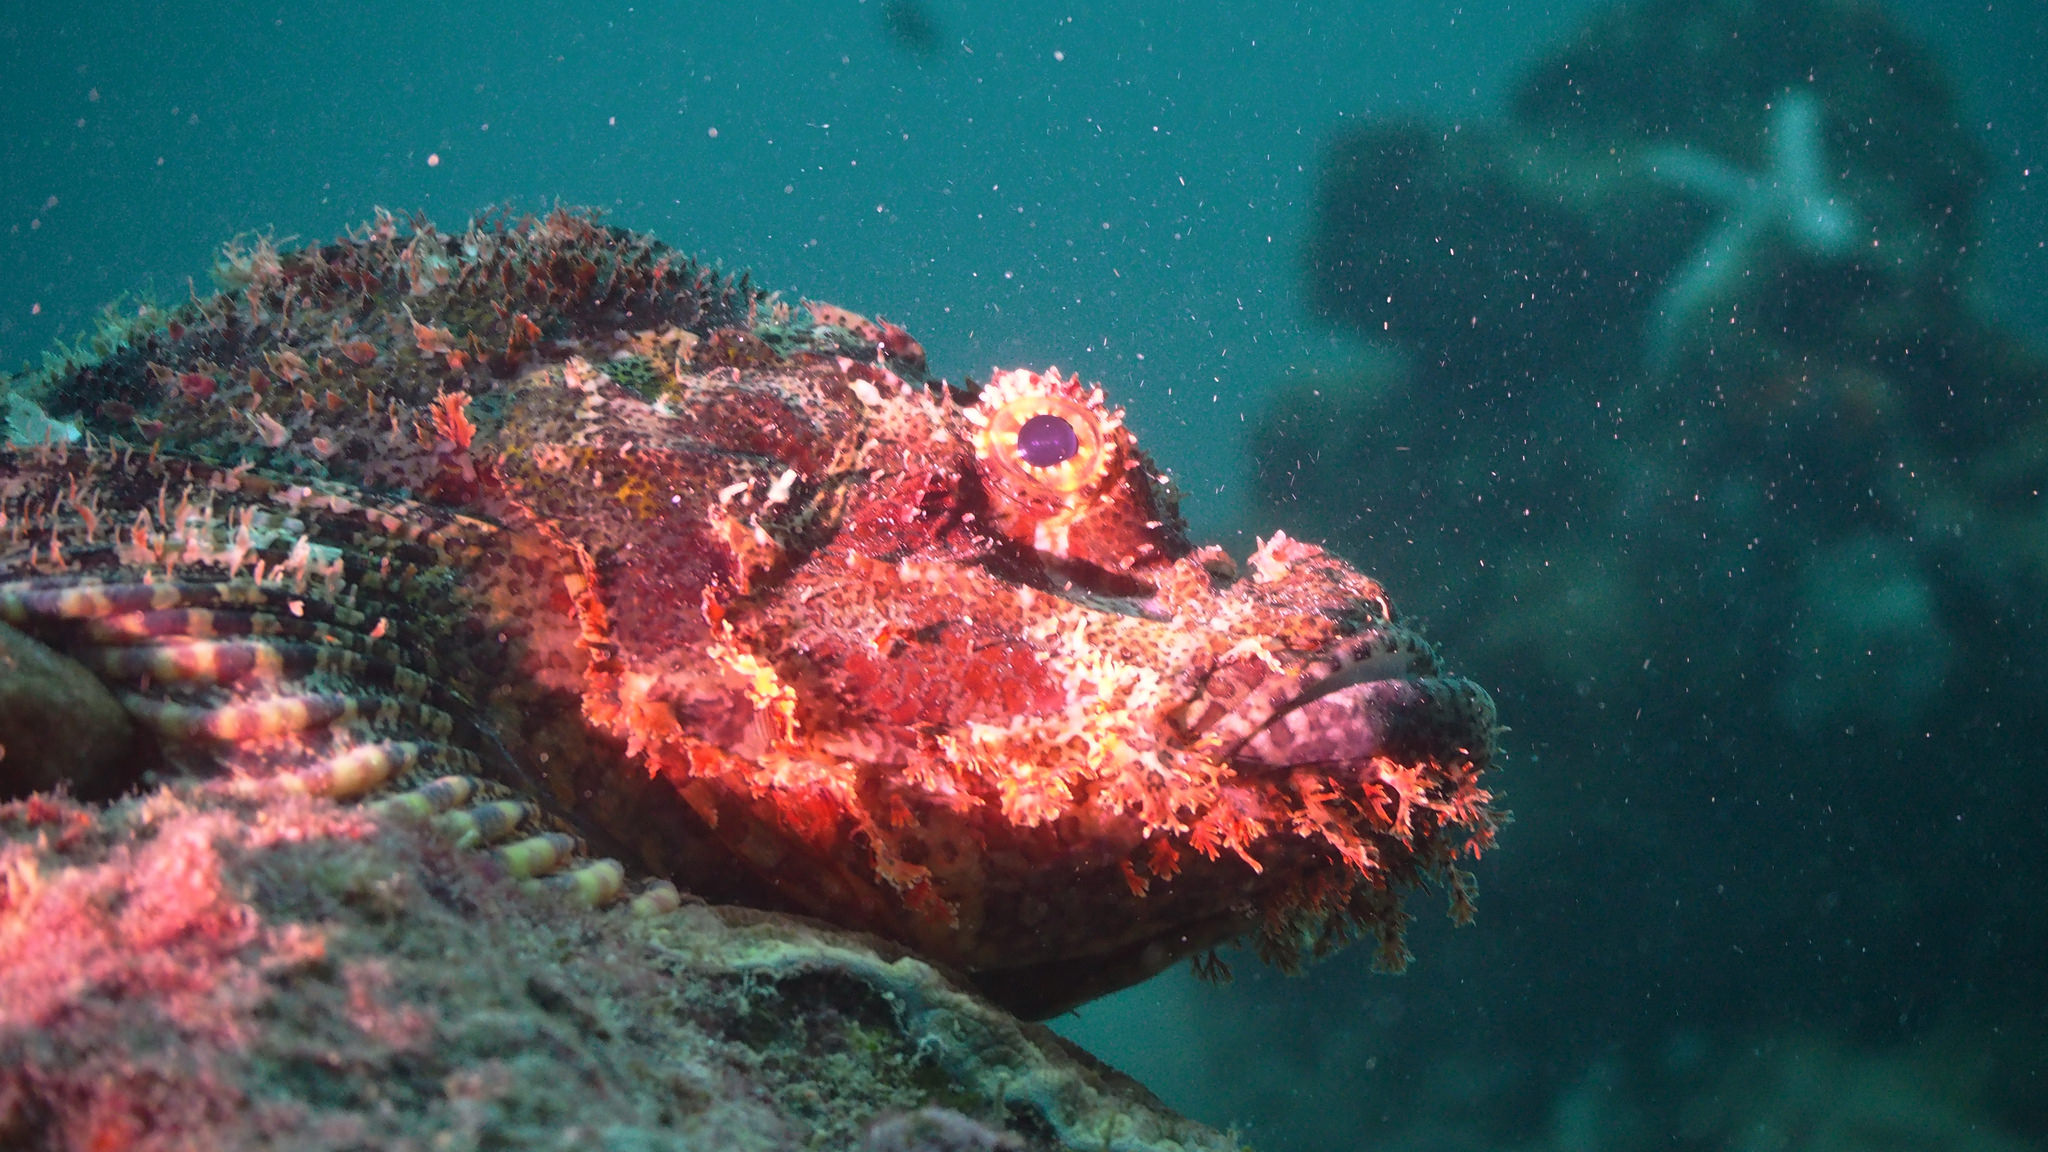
(206,966)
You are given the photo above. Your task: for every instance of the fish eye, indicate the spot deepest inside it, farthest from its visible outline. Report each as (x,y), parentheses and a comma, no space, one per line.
(1045,435)
(1046,440)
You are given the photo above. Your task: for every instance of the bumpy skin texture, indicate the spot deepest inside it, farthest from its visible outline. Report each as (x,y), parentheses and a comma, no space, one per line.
(737,593)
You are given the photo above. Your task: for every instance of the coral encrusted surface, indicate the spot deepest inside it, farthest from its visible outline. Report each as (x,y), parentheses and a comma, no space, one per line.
(204,966)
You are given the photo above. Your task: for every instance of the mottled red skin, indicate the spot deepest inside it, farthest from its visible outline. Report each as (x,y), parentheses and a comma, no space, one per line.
(787,604)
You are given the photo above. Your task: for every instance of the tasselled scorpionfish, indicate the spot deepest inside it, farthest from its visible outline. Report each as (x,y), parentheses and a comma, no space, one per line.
(625,570)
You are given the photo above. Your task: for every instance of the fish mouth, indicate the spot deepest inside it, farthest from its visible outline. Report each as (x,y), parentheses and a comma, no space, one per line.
(1376,693)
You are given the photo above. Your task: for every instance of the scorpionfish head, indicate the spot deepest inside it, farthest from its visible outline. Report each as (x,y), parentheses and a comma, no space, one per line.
(943,666)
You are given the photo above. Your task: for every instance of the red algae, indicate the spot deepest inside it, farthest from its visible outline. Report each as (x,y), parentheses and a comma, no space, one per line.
(233,967)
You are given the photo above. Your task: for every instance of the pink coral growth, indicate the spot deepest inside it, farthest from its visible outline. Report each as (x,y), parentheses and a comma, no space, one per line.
(150,920)
(134,965)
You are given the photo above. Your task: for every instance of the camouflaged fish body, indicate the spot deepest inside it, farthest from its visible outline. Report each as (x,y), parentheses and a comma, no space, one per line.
(629,571)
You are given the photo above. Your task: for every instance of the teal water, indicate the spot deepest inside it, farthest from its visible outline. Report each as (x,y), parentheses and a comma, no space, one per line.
(1694,928)
(1049,185)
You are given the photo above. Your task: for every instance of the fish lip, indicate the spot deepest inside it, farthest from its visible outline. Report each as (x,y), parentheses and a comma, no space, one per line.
(1376,683)
(1412,720)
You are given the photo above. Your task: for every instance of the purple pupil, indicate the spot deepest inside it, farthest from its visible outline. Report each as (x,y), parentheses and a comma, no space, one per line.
(1047,440)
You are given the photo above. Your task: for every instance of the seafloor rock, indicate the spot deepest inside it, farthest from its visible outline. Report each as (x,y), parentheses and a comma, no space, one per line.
(238,966)
(36,684)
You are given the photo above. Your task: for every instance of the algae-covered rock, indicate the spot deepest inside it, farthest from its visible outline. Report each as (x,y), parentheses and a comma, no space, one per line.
(58,722)
(218,966)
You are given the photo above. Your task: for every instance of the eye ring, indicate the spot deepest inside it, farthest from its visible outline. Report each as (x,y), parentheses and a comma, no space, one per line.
(1044,433)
